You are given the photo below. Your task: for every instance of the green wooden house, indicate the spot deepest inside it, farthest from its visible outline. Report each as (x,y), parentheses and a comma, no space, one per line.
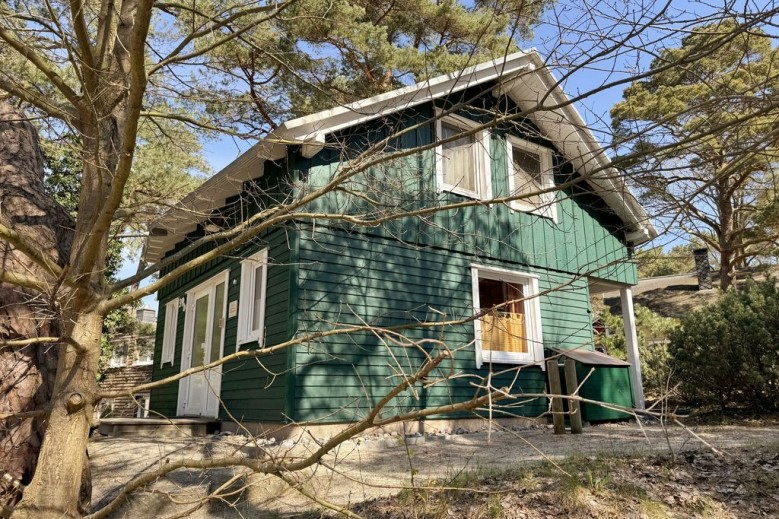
(493,131)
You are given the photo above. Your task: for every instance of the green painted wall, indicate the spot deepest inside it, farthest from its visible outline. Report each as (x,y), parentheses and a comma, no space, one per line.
(405,270)
(586,238)
(353,278)
(252,389)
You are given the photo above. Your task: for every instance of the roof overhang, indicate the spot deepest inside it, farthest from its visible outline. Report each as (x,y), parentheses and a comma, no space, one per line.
(524,77)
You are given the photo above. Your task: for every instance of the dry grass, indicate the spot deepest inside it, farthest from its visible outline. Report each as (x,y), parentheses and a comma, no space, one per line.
(743,484)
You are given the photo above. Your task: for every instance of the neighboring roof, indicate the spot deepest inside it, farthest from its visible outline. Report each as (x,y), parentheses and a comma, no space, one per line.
(524,78)
(675,296)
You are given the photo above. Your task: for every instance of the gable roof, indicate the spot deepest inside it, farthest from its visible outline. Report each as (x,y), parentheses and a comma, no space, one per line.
(524,78)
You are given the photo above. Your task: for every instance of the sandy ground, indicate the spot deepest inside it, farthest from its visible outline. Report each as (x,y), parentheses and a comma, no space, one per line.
(369,467)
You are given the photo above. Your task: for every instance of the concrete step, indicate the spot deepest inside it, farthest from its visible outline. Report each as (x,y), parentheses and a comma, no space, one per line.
(160,427)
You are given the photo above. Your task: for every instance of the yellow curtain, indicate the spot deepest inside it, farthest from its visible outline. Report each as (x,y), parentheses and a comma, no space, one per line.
(504,332)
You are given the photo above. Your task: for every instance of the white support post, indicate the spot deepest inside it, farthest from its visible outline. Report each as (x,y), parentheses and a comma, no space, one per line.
(631,341)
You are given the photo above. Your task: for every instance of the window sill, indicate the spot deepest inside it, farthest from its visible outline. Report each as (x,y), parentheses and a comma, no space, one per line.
(488,358)
(247,342)
(549,214)
(459,191)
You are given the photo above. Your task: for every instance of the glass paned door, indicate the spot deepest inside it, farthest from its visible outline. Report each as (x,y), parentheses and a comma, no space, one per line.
(203,344)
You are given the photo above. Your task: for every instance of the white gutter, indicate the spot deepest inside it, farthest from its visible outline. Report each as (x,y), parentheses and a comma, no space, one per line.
(614,184)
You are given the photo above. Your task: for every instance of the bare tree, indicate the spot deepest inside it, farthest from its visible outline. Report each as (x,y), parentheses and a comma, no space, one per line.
(721,189)
(102,68)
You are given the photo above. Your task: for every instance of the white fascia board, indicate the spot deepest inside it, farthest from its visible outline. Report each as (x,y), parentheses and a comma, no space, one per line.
(353,114)
(566,128)
(310,132)
(196,206)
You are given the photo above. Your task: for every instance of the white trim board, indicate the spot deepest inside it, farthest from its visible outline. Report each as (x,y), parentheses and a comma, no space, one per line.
(524,78)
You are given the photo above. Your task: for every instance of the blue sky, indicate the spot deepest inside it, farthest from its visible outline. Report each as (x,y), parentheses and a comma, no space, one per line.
(566,32)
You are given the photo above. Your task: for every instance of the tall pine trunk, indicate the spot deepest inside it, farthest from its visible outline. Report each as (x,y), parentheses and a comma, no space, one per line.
(59,490)
(26,374)
(727,239)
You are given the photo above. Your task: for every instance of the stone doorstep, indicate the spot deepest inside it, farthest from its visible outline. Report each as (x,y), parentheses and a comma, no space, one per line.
(167,428)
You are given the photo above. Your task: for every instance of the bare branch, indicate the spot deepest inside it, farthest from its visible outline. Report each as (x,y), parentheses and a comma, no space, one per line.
(21,343)
(24,280)
(20,243)
(33,57)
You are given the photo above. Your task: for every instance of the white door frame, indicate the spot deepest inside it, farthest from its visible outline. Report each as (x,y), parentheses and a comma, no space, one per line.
(214,376)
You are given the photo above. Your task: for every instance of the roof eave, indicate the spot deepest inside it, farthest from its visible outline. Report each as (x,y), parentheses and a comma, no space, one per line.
(310,131)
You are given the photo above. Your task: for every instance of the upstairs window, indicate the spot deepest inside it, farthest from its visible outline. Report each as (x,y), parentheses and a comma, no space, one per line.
(462,163)
(119,354)
(530,173)
(251,313)
(510,330)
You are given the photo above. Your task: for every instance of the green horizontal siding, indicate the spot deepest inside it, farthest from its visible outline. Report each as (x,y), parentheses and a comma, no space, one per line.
(406,270)
(252,389)
(351,278)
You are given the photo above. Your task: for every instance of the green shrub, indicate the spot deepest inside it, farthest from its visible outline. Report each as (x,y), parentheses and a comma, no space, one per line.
(653,332)
(728,352)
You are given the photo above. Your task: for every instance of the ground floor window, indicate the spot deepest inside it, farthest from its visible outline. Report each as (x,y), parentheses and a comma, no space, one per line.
(508,329)
(142,405)
(251,312)
(105,409)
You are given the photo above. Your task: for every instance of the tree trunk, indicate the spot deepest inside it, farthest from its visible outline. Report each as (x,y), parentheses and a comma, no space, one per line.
(727,238)
(26,374)
(57,491)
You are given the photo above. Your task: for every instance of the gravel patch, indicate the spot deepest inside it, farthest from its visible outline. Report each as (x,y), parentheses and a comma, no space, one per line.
(368,467)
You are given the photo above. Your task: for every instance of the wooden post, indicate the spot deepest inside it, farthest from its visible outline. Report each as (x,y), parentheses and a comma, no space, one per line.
(631,342)
(555,388)
(574,407)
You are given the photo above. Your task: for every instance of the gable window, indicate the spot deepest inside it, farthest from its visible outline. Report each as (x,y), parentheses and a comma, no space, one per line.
(510,330)
(169,332)
(251,313)
(462,163)
(530,172)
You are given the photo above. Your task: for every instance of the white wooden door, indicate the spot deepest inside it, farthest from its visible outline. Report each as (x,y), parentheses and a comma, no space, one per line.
(203,344)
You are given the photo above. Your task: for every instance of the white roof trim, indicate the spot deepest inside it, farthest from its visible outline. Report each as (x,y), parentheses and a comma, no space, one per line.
(564,127)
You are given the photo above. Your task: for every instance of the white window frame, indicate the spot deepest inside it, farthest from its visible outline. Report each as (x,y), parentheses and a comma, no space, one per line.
(144,361)
(119,361)
(246,300)
(168,352)
(529,284)
(142,412)
(548,208)
(482,167)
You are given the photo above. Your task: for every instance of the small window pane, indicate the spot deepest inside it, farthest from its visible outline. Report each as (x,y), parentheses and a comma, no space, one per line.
(458,159)
(504,329)
(527,176)
(490,292)
(216,330)
(200,335)
(257,298)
